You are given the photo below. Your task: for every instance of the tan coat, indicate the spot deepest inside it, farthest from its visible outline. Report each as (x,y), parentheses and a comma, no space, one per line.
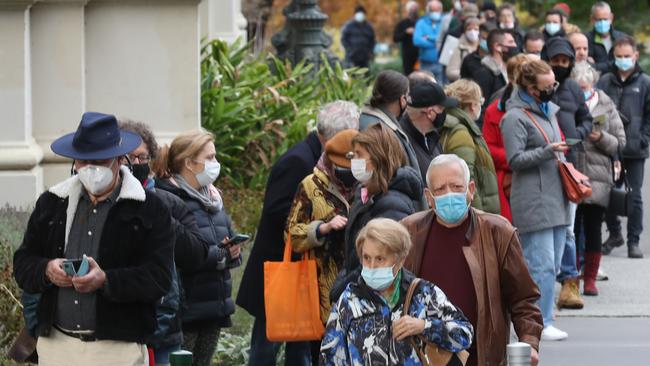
(464,48)
(504,288)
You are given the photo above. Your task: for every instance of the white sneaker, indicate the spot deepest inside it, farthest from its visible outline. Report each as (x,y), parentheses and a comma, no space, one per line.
(551,333)
(601,276)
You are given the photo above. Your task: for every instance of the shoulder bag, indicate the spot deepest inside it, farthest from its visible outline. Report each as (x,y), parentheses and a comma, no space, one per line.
(576,185)
(428,353)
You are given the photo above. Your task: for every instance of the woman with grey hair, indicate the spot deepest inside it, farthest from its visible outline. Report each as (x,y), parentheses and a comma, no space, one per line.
(600,162)
(467,44)
(369,324)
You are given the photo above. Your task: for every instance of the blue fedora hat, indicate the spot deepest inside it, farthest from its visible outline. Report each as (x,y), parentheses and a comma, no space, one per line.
(96,138)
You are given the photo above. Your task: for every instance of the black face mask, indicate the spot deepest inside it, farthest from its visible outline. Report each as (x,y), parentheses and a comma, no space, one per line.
(546,95)
(561,73)
(439,120)
(510,52)
(140,172)
(344,176)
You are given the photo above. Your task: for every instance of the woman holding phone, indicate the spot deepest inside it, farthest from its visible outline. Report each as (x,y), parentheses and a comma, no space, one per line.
(188,168)
(540,209)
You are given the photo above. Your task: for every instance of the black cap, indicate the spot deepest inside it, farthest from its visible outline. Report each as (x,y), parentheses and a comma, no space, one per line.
(427,94)
(360,8)
(558,46)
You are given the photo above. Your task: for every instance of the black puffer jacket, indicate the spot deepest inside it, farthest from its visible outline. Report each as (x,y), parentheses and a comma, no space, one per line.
(401,200)
(358,39)
(574,117)
(208,291)
(190,252)
(604,60)
(632,99)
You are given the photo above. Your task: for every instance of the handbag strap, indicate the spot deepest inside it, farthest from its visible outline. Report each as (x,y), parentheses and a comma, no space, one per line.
(288,249)
(541,130)
(409,295)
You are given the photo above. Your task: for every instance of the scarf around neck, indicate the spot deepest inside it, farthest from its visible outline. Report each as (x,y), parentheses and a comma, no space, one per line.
(208,196)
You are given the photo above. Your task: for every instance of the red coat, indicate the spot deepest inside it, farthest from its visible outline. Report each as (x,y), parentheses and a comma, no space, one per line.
(494,140)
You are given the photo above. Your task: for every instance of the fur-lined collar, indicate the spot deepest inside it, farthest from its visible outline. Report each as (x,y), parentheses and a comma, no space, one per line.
(71,188)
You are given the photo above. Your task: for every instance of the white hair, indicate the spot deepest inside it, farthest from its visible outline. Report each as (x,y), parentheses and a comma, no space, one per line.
(432,2)
(337,116)
(448,159)
(600,5)
(582,71)
(411,4)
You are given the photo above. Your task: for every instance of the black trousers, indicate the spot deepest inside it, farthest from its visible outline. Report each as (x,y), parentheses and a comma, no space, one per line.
(591,218)
(634,169)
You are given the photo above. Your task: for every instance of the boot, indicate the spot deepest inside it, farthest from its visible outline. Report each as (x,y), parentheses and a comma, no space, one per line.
(570,295)
(633,251)
(592,262)
(614,240)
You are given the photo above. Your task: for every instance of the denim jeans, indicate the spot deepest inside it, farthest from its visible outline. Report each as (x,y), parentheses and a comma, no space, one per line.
(438,71)
(264,352)
(634,169)
(569,267)
(161,355)
(543,252)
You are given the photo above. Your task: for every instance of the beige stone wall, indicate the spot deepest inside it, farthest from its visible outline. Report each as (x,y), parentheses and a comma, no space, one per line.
(59,58)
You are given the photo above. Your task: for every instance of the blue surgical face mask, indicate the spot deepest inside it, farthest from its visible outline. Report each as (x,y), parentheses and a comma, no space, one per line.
(624,63)
(435,16)
(359,16)
(484,46)
(552,28)
(602,26)
(451,207)
(378,278)
(588,94)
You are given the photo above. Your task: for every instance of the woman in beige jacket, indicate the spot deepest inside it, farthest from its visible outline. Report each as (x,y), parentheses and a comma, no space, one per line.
(467,44)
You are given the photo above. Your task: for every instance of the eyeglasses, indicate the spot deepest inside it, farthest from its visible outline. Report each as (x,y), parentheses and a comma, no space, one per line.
(141,159)
(553,87)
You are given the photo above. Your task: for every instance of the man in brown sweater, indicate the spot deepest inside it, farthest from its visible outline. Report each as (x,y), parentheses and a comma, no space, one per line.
(476,259)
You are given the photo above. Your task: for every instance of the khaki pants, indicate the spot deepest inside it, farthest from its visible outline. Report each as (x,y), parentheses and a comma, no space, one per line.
(61,350)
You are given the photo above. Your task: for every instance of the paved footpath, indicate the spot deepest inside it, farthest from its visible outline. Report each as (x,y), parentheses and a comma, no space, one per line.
(614,327)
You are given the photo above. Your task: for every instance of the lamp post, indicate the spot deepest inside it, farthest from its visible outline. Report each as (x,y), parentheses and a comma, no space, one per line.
(302,36)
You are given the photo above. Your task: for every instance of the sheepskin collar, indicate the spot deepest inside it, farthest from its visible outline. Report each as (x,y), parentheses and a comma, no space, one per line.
(71,188)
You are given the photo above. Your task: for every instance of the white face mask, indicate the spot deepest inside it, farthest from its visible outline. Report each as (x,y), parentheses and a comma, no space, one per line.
(359,170)
(96,178)
(472,35)
(359,17)
(506,25)
(210,173)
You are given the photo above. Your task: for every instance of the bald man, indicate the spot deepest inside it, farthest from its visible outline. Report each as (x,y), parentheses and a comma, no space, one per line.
(580,44)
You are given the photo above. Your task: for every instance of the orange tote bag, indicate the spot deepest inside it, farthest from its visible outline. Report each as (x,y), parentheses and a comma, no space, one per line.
(291,299)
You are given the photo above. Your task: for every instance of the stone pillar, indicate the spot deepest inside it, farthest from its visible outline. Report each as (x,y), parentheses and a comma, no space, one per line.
(222,19)
(133,58)
(20,176)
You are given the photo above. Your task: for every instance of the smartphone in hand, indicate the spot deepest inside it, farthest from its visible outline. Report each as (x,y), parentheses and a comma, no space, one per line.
(573,142)
(76,267)
(237,239)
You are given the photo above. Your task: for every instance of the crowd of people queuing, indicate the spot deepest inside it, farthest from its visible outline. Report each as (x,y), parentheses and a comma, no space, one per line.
(448,176)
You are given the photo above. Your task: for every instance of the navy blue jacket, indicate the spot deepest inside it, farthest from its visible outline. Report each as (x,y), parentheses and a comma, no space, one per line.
(207,291)
(285,176)
(358,39)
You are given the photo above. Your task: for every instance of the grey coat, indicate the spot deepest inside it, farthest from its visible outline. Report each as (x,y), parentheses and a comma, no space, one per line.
(537,198)
(596,161)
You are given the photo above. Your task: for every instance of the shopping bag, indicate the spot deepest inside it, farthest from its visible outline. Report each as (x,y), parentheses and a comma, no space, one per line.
(291,301)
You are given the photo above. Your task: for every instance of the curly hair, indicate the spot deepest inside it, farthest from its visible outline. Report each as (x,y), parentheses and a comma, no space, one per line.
(144,131)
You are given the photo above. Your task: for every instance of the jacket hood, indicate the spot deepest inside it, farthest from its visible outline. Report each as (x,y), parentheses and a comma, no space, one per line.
(458,116)
(516,101)
(407,181)
(489,62)
(558,46)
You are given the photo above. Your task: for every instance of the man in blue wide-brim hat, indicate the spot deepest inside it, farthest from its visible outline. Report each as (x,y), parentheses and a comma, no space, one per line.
(98,249)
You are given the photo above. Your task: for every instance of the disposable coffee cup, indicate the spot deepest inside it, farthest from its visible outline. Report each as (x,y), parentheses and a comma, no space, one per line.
(519,354)
(180,358)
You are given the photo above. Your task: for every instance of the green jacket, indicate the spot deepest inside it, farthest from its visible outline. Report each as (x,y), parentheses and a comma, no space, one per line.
(461,136)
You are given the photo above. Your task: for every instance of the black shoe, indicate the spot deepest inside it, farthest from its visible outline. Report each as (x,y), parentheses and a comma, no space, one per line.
(615,240)
(633,251)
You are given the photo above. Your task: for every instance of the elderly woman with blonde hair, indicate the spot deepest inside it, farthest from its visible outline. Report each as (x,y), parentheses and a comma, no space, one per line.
(368,324)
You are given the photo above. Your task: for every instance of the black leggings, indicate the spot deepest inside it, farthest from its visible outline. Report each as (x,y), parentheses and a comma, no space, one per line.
(592,217)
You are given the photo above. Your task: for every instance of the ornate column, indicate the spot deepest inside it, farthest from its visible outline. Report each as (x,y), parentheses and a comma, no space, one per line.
(303,36)
(20,176)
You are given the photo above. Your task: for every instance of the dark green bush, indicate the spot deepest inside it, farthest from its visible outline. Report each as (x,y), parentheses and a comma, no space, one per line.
(258,106)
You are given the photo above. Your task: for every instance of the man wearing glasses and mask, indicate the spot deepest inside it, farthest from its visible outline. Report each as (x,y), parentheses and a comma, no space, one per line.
(99,309)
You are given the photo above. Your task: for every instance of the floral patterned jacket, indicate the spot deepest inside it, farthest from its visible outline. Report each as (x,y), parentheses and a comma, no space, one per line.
(359,329)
